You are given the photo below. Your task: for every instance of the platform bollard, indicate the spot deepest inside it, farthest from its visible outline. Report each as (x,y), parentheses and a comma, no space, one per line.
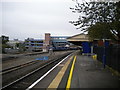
(95,57)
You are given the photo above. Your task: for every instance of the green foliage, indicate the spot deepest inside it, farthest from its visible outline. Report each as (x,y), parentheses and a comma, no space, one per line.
(18,44)
(4,40)
(21,47)
(102,17)
(100,31)
(4,46)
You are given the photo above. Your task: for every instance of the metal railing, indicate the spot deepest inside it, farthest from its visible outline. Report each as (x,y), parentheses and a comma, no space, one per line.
(109,56)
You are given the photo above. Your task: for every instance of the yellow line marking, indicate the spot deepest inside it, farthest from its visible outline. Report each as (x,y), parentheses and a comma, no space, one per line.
(59,76)
(70,75)
(114,72)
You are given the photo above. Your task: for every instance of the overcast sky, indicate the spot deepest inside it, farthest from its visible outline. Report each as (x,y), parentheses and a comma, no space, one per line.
(32,18)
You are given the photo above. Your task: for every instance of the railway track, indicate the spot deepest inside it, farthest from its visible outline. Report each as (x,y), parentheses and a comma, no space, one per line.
(26,80)
(17,67)
(11,57)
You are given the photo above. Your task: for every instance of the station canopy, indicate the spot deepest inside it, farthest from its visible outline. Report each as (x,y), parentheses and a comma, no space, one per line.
(78,39)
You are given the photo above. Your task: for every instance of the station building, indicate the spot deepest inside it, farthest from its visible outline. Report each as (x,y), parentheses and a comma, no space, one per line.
(13,43)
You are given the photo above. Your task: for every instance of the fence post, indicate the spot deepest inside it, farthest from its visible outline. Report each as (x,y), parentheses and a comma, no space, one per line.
(104,59)
(104,55)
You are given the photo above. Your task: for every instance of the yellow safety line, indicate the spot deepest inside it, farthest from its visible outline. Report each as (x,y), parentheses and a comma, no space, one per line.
(58,78)
(70,75)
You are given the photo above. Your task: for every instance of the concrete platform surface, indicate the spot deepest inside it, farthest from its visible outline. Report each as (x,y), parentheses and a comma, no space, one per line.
(89,73)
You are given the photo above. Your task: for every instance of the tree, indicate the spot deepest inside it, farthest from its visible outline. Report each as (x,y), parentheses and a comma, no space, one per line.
(21,47)
(92,13)
(100,31)
(4,40)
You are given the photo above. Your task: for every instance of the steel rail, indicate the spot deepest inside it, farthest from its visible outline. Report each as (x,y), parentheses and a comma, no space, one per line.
(16,67)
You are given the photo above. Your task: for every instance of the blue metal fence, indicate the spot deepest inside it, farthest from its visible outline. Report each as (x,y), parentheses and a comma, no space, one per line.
(109,56)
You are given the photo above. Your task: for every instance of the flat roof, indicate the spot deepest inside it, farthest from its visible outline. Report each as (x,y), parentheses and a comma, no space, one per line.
(60,36)
(34,39)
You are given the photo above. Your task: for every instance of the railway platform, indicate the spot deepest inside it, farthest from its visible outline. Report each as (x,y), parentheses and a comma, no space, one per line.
(78,71)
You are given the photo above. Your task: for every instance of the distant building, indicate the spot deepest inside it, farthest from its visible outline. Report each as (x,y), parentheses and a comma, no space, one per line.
(60,42)
(50,42)
(13,43)
(55,43)
(34,44)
